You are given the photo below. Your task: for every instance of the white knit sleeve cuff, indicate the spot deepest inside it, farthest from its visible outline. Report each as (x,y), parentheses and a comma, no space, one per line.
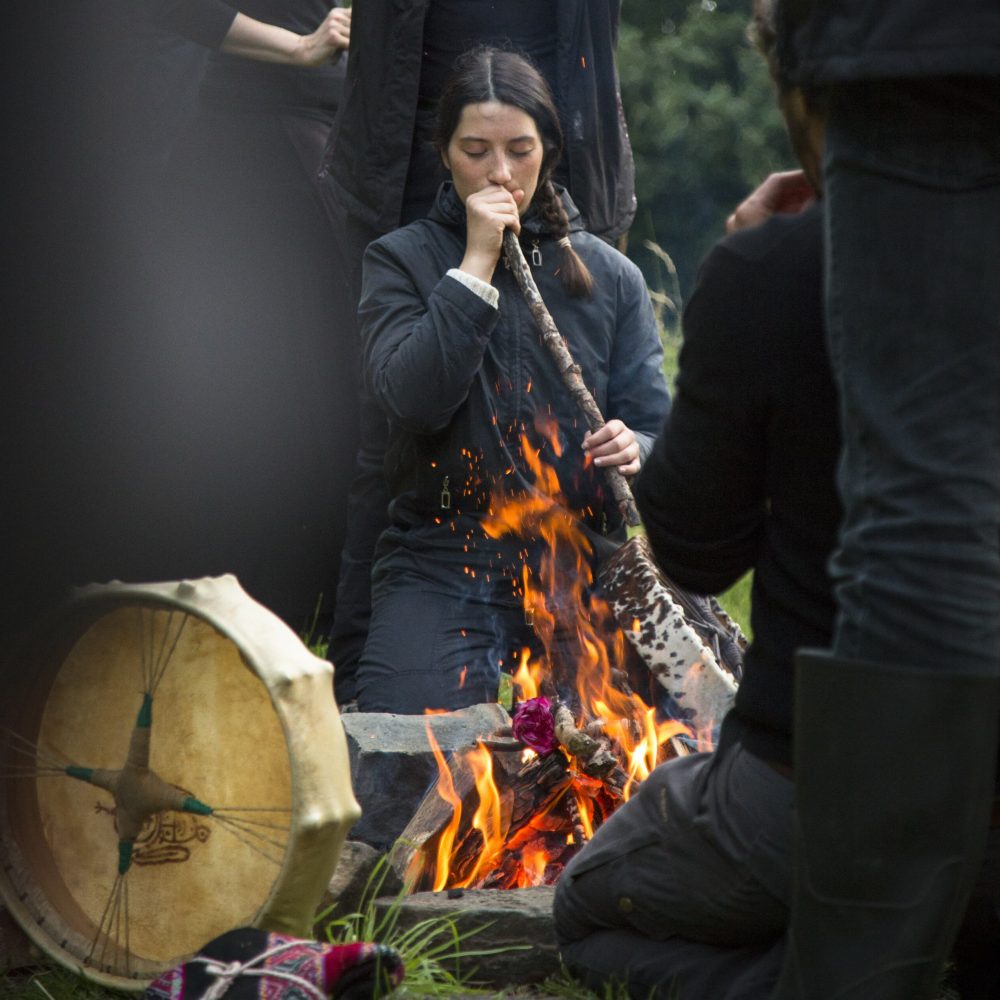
(482,288)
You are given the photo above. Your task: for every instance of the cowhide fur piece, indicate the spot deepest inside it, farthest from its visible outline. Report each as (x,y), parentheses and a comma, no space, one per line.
(675,633)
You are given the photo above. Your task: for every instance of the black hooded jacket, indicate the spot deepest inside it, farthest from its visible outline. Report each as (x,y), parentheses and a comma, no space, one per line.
(465,385)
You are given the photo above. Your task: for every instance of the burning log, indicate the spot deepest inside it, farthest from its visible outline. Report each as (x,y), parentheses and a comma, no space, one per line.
(494,820)
(523,793)
(537,785)
(539,823)
(573,810)
(594,756)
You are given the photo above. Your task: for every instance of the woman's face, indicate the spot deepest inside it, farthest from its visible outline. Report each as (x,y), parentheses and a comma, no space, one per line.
(498,144)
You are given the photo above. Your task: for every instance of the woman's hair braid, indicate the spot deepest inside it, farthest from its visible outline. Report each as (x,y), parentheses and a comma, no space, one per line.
(575,276)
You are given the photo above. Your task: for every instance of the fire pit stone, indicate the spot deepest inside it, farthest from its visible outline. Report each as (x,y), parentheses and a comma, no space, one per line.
(392,765)
(345,891)
(513,918)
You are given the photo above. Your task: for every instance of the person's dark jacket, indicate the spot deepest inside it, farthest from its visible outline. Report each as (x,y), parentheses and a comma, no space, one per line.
(462,381)
(370,145)
(206,22)
(743,476)
(234,83)
(837,41)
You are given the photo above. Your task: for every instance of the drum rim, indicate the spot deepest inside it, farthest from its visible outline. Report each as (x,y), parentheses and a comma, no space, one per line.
(322,810)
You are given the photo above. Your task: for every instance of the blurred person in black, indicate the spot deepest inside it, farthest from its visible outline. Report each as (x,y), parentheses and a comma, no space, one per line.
(636,904)
(896,724)
(104,471)
(258,417)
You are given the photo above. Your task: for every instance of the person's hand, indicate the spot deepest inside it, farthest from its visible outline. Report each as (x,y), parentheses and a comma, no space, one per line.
(788,192)
(327,41)
(614,444)
(488,213)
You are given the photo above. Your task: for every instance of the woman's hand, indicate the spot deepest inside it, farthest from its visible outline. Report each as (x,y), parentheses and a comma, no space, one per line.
(254,39)
(327,41)
(614,444)
(488,213)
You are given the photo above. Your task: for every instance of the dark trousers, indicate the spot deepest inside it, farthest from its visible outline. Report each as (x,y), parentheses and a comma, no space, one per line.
(434,650)
(913,216)
(912,207)
(912,178)
(685,890)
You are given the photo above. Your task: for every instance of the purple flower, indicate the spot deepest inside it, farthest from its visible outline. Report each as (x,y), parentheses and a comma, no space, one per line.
(533,725)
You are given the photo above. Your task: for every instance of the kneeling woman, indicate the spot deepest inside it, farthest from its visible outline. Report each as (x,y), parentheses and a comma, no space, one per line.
(452,355)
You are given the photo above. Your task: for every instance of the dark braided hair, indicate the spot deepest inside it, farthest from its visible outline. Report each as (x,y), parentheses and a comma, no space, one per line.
(489,74)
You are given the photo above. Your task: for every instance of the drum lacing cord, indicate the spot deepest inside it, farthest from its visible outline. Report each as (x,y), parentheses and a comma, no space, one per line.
(226,972)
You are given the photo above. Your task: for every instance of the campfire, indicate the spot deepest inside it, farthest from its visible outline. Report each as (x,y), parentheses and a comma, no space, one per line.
(512,811)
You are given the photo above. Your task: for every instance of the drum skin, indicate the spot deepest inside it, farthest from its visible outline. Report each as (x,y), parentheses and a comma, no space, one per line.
(242,720)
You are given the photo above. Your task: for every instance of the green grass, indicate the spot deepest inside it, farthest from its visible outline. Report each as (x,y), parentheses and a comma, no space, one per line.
(436,951)
(318,645)
(54,983)
(736,601)
(667,307)
(564,985)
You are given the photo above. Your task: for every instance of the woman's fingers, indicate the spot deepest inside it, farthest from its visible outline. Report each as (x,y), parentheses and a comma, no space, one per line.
(328,40)
(613,445)
(488,213)
(494,202)
(339,24)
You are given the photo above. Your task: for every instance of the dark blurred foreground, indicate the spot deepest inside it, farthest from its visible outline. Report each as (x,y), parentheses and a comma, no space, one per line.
(165,414)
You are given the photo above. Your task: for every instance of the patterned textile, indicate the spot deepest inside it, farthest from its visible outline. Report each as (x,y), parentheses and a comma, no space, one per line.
(250,964)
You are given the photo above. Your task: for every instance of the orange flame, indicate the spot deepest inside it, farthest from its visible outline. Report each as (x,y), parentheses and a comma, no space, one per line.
(446,790)
(486,819)
(527,675)
(582,653)
(586,810)
(534,861)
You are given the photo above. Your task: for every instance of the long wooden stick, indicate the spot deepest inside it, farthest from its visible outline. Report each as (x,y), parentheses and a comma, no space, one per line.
(569,370)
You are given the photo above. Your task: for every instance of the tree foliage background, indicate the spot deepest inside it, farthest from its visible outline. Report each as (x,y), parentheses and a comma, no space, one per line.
(704,125)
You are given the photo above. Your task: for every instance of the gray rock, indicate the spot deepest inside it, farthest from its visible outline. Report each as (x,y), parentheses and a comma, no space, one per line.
(392,765)
(518,919)
(347,887)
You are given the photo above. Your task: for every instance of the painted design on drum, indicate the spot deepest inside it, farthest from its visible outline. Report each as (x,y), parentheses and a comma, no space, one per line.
(164,836)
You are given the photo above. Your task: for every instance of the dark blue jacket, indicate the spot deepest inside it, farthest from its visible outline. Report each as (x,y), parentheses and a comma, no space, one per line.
(462,381)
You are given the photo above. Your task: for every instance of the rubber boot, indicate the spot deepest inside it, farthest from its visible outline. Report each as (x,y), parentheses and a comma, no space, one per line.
(894,777)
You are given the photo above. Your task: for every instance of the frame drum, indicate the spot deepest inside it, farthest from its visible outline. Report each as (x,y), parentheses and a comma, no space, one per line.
(172,766)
